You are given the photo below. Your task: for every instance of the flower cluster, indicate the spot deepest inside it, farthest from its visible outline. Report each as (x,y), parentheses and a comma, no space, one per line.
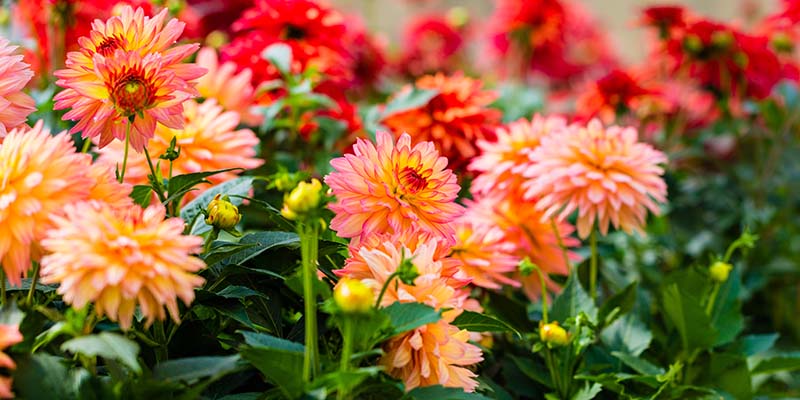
(397,203)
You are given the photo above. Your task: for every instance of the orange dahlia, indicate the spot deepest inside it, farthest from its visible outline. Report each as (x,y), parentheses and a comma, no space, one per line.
(454,120)
(433,354)
(604,173)
(485,254)
(208,141)
(9,335)
(387,188)
(502,161)
(107,189)
(125,74)
(14,75)
(231,90)
(527,234)
(119,259)
(39,175)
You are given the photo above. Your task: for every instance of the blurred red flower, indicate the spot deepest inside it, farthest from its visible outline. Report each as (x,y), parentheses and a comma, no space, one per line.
(432,43)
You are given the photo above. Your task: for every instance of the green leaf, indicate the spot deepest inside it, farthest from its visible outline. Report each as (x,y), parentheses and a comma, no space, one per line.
(239,186)
(689,318)
(407,316)
(280,55)
(477,322)
(639,365)
(729,372)
(408,100)
(280,360)
(627,334)
(194,368)
(532,370)
(572,301)
(785,362)
(442,393)
(751,345)
(108,345)
(238,292)
(42,376)
(255,244)
(588,392)
(619,304)
(511,311)
(142,195)
(182,183)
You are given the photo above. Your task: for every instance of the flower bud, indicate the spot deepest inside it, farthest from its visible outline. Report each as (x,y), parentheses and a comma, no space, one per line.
(693,44)
(782,42)
(304,198)
(722,39)
(352,296)
(553,334)
(222,214)
(719,271)
(407,272)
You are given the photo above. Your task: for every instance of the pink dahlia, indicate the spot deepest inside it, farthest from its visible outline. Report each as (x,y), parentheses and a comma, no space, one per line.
(15,106)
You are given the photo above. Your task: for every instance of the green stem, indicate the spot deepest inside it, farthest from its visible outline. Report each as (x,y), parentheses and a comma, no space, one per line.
(593,265)
(156,183)
(125,153)
(86,144)
(383,289)
(161,338)
(544,294)
(34,280)
(347,353)
(212,236)
(712,299)
(2,287)
(308,248)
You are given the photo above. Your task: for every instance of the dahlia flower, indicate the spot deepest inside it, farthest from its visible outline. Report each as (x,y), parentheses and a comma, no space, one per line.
(485,254)
(525,234)
(208,141)
(615,93)
(313,31)
(454,120)
(39,175)
(388,188)
(502,161)
(433,43)
(433,354)
(9,335)
(604,173)
(125,74)
(107,189)
(14,75)
(231,90)
(119,259)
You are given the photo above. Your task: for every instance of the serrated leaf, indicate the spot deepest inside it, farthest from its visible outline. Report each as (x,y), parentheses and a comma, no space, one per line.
(255,244)
(407,316)
(183,183)
(194,368)
(785,362)
(107,345)
(409,100)
(279,55)
(477,322)
(627,334)
(572,301)
(142,195)
(239,186)
(238,292)
(689,318)
(639,365)
(588,392)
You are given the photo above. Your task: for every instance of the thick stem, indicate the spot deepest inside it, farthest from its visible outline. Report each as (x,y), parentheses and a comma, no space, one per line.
(2,287)
(125,153)
(347,353)
(308,249)
(34,281)
(593,265)
(161,338)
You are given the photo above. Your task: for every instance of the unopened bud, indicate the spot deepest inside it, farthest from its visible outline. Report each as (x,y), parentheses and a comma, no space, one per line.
(693,44)
(407,272)
(222,214)
(352,296)
(722,39)
(719,271)
(304,198)
(553,334)
(782,42)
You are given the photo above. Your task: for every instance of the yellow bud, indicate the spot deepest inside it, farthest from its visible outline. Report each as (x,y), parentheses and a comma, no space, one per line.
(352,296)
(304,198)
(487,341)
(719,271)
(553,334)
(222,213)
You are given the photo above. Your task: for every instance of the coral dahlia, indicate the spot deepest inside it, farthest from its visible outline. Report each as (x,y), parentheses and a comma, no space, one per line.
(604,173)
(388,187)
(39,175)
(231,90)
(15,106)
(125,75)
(9,335)
(119,259)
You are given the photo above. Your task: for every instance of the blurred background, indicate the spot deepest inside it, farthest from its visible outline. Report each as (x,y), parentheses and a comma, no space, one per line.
(616,16)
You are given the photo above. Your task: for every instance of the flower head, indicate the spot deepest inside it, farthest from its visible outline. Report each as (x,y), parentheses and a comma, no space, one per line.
(616,93)
(14,75)
(302,199)
(485,254)
(502,161)
(222,214)
(604,173)
(454,119)
(39,175)
(230,89)
(107,189)
(352,296)
(208,141)
(433,43)
(125,73)
(119,259)
(433,354)
(9,335)
(390,187)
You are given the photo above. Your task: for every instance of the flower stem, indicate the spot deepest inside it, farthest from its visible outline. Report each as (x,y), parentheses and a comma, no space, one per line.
(712,299)
(34,280)
(86,144)
(347,352)
(2,287)
(125,153)
(161,338)
(156,183)
(593,265)
(383,289)
(308,249)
